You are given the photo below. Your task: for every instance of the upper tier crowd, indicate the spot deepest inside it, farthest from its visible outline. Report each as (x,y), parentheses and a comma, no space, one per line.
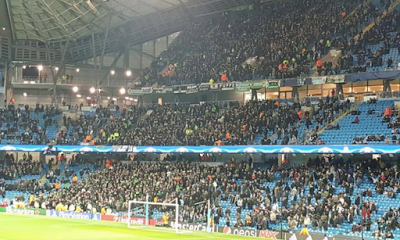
(276,40)
(203,124)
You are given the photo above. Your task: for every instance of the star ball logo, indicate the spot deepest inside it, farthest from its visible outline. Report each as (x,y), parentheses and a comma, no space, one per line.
(227,230)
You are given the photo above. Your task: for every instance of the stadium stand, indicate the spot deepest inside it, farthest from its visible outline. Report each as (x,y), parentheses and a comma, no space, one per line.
(168,125)
(329,195)
(28,126)
(376,125)
(212,56)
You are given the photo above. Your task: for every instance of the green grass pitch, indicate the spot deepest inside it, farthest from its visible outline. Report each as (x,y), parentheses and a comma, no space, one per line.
(26,227)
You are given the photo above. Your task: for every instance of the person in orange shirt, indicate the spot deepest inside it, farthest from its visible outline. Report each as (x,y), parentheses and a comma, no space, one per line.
(319,63)
(57,185)
(244,127)
(108,163)
(219,143)
(388,112)
(227,135)
(319,67)
(224,78)
(74,179)
(88,138)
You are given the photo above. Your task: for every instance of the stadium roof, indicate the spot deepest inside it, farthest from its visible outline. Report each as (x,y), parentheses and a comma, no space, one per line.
(49,20)
(75,30)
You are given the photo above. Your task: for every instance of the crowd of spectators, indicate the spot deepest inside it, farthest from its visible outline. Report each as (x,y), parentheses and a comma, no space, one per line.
(356,54)
(202,124)
(252,44)
(19,124)
(304,196)
(16,168)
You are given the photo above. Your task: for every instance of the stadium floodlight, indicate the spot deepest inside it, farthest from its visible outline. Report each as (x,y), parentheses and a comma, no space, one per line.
(88,98)
(78,70)
(122,91)
(112,72)
(78,95)
(4,28)
(25,94)
(56,68)
(114,99)
(75,89)
(128,73)
(24,67)
(146,204)
(92,90)
(40,67)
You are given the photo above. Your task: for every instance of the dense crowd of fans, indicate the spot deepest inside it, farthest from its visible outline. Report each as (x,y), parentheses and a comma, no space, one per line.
(202,124)
(356,54)
(304,195)
(253,44)
(16,168)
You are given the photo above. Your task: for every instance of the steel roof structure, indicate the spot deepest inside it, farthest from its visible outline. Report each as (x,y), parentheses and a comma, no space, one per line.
(68,31)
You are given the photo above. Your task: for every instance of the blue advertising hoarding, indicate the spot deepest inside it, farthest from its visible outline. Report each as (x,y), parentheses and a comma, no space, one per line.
(298,149)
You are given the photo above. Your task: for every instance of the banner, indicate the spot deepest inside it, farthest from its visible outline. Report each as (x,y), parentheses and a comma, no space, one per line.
(134,92)
(160,90)
(124,219)
(147,89)
(272,84)
(258,85)
(192,89)
(24,211)
(73,215)
(242,87)
(301,81)
(181,89)
(318,80)
(227,86)
(204,87)
(335,79)
(248,232)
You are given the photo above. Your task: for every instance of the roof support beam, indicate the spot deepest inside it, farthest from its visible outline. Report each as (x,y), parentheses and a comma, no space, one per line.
(11,18)
(112,65)
(79,18)
(104,45)
(48,9)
